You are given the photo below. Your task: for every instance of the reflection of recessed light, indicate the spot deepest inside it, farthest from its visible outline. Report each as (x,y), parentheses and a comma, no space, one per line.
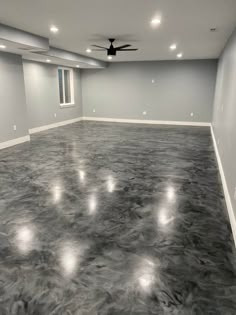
(77,66)
(25,238)
(88,50)
(173,47)
(54,29)
(81,175)
(155,21)
(109,57)
(180,55)
(170,193)
(110,184)
(3,46)
(92,209)
(48,60)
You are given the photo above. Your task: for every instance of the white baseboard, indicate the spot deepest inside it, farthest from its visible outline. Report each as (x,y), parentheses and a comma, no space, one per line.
(153,122)
(225,188)
(10,143)
(55,125)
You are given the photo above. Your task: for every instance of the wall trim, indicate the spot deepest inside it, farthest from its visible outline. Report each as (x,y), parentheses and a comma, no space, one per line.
(10,143)
(55,125)
(225,188)
(153,122)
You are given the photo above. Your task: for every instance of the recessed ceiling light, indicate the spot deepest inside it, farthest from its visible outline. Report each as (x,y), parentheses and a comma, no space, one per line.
(109,57)
(88,50)
(173,47)
(213,29)
(3,46)
(48,60)
(180,55)
(54,29)
(77,66)
(156,21)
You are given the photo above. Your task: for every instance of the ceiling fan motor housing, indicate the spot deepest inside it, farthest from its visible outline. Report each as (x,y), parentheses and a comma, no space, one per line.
(111,52)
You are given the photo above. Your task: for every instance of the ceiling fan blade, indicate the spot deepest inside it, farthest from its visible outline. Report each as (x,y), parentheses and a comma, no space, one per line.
(99,47)
(121,47)
(131,49)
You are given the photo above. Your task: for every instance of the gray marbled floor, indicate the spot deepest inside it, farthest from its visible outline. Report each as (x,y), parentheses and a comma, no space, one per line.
(102,219)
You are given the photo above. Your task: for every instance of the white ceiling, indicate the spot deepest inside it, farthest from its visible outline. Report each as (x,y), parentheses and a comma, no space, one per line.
(86,22)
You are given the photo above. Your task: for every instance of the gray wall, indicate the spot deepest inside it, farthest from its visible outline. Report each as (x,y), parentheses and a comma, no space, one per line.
(125,90)
(12,98)
(42,95)
(224,117)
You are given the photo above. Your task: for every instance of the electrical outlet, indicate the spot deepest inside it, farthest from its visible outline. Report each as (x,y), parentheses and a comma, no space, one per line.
(55,115)
(144,113)
(94,110)
(14,127)
(192,114)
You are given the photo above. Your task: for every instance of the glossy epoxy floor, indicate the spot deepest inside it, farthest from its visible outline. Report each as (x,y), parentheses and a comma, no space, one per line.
(103,219)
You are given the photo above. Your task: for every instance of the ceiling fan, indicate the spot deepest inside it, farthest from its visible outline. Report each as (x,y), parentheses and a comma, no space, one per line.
(111,51)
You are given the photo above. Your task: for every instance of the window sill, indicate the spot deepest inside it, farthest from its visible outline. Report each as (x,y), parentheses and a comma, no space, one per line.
(67,105)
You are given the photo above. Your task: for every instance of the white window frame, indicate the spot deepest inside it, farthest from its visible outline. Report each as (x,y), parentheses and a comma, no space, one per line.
(72,103)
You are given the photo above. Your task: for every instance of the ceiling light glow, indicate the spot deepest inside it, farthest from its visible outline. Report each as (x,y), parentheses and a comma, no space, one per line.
(3,46)
(77,66)
(180,55)
(156,21)
(54,29)
(109,57)
(173,47)
(88,50)
(48,60)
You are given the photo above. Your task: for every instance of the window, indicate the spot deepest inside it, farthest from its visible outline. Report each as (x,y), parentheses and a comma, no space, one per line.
(66,86)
